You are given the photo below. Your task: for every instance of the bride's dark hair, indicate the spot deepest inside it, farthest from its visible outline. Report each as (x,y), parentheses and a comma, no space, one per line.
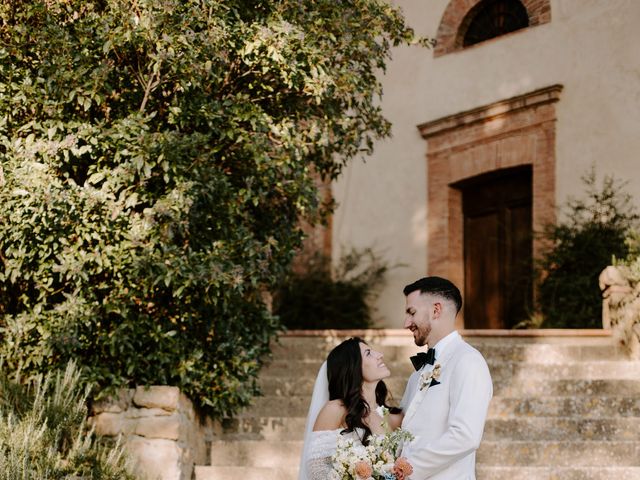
(344,372)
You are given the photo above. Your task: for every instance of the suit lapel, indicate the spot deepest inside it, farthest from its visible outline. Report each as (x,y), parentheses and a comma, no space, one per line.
(448,353)
(420,395)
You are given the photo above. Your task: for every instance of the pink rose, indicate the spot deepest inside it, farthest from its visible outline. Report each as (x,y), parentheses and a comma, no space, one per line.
(402,468)
(363,469)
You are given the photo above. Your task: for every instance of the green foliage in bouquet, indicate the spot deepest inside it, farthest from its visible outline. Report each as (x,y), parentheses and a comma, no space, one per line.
(156,158)
(313,298)
(592,234)
(44,435)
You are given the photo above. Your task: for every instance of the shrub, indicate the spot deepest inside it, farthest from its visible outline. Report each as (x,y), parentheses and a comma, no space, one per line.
(580,248)
(631,263)
(156,160)
(314,299)
(43,432)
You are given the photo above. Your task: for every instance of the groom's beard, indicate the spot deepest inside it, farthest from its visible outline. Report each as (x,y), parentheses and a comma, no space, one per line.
(420,338)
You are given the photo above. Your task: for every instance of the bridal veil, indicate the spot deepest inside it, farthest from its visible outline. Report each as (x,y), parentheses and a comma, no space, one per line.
(318,399)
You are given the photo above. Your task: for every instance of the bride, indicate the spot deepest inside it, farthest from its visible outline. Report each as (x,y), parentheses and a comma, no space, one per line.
(347,392)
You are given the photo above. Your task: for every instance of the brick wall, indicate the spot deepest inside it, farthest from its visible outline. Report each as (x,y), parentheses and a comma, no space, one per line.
(455,20)
(513,132)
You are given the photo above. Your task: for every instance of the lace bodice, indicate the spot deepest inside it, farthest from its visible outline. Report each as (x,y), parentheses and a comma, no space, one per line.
(323,446)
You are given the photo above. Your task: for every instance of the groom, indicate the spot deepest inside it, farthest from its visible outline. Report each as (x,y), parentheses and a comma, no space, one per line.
(447,397)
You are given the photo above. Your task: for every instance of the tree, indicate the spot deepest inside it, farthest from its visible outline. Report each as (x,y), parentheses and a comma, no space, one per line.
(157,160)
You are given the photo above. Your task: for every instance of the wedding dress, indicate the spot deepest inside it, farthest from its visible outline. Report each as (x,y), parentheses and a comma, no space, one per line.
(322,446)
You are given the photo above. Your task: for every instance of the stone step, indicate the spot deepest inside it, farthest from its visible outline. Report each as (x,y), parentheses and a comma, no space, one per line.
(555,473)
(275,385)
(263,428)
(570,387)
(564,408)
(584,407)
(403,338)
(497,350)
(482,473)
(543,429)
(544,406)
(500,371)
(246,473)
(285,453)
(513,428)
(501,453)
(559,454)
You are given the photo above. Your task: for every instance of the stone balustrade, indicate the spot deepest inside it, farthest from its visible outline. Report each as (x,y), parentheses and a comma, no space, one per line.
(621,308)
(159,428)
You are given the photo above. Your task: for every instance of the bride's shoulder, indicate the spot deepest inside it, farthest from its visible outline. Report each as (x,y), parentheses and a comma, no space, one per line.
(331,417)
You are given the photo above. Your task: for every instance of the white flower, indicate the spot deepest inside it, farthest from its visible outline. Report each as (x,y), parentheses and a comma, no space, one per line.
(426,377)
(381,454)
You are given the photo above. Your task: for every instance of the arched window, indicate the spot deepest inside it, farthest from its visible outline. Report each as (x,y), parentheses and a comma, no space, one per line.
(468,22)
(492,18)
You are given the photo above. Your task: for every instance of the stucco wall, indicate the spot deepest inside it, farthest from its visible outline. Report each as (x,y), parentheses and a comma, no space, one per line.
(590,47)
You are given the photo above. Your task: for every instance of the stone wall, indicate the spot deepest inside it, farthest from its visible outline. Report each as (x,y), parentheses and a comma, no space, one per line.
(159,428)
(621,308)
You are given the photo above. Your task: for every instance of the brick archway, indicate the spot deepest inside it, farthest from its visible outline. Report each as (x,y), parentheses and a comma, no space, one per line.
(510,133)
(449,36)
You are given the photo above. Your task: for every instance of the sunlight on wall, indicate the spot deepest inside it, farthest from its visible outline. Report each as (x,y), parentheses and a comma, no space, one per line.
(419,226)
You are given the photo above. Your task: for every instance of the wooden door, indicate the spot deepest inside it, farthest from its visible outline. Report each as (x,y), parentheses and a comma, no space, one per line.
(497,248)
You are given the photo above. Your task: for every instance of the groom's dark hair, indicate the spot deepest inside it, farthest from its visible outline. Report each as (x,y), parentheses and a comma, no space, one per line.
(436,286)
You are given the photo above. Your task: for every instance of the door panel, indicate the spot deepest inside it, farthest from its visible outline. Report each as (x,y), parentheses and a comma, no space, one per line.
(497,248)
(518,264)
(482,279)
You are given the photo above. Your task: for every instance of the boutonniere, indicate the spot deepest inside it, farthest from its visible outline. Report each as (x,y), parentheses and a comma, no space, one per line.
(430,378)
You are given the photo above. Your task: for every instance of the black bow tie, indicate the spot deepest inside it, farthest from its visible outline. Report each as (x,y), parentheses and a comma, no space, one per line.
(421,359)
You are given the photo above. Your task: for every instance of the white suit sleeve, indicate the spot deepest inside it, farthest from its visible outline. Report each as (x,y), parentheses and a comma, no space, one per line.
(470,393)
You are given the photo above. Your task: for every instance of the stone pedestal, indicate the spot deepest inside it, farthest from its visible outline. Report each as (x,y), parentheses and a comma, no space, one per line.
(159,429)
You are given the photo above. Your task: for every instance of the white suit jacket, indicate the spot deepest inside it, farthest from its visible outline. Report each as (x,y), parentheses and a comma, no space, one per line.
(447,420)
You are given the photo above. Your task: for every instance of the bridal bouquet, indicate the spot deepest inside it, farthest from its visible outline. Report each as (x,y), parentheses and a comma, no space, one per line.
(377,461)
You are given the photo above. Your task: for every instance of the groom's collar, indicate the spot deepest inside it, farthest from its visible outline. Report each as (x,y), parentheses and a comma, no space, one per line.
(444,342)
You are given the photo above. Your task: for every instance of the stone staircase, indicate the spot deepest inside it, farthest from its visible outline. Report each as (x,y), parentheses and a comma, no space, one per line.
(566,406)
